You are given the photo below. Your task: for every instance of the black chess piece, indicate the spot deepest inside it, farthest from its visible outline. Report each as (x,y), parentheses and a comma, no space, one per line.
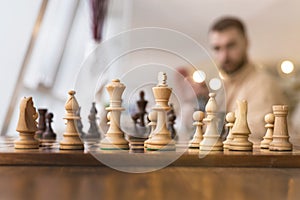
(49,133)
(93,131)
(82,134)
(139,118)
(41,123)
(171,121)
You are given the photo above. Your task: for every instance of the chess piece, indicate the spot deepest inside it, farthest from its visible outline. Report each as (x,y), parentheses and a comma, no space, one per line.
(42,123)
(153,119)
(240,129)
(161,138)
(211,138)
(71,139)
(198,135)
(171,121)
(27,125)
(138,118)
(93,132)
(114,138)
(267,139)
(82,134)
(230,118)
(280,140)
(49,135)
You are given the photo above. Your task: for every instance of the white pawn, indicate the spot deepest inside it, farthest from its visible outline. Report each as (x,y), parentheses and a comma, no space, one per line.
(280,140)
(269,119)
(152,116)
(240,130)
(230,118)
(211,138)
(198,135)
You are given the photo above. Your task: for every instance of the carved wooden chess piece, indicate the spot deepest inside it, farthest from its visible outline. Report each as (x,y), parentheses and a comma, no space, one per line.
(240,130)
(49,135)
(139,118)
(153,119)
(93,132)
(27,125)
(281,136)
(42,123)
(71,139)
(82,134)
(211,138)
(267,139)
(161,138)
(114,138)
(198,117)
(230,118)
(171,121)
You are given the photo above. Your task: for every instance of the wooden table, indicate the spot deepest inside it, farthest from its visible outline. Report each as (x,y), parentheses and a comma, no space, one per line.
(48,173)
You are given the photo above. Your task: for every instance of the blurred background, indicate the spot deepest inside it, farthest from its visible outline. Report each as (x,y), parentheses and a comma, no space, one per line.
(45,42)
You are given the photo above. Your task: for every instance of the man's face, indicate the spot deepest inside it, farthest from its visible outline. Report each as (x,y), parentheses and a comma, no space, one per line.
(230,49)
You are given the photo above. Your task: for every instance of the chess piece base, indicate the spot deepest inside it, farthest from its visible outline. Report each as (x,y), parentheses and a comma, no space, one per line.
(240,143)
(27,141)
(211,148)
(286,146)
(114,143)
(245,146)
(136,144)
(71,142)
(226,144)
(71,147)
(161,142)
(47,142)
(157,147)
(113,147)
(240,148)
(265,144)
(211,143)
(195,143)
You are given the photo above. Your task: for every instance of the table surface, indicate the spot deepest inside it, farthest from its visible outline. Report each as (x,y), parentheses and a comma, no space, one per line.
(50,173)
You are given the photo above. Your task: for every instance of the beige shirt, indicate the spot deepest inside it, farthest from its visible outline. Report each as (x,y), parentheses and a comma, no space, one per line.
(260,91)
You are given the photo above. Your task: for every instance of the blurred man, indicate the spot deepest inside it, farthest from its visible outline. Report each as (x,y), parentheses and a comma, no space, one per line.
(229,42)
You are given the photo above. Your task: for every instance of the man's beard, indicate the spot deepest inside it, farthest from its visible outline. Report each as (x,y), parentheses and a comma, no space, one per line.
(237,66)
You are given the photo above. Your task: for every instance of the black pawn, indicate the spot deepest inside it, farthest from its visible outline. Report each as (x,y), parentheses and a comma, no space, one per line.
(82,134)
(171,121)
(138,118)
(93,131)
(49,133)
(41,124)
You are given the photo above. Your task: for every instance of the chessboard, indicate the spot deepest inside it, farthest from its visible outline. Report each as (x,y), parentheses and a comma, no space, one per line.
(51,155)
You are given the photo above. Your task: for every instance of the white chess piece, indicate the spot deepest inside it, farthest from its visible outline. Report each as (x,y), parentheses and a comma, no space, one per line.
(27,125)
(230,118)
(198,117)
(153,119)
(267,139)
(114,138)
(161,138)
(240,129)
(280,140)
(71,139)
(211,138)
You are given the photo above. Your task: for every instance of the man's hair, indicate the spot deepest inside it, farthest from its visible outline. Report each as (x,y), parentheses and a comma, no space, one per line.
(228,22)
